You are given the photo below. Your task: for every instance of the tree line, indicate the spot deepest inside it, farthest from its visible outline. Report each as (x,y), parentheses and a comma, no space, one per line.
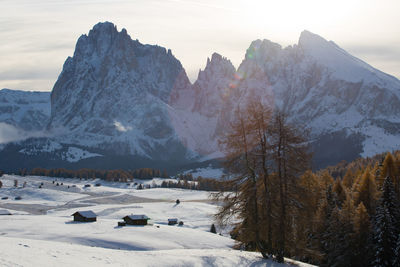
(199,183)
(108,175)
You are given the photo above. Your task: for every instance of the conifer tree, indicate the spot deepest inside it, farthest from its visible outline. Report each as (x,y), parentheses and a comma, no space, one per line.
(212,229)
(396,260)
(388,198)
(322,232)
(336,238)
(384,238)
(392,170)
(330,238)
(385,226)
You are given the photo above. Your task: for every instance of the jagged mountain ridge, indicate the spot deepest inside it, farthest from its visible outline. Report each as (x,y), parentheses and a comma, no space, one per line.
(120,96)
(350,107)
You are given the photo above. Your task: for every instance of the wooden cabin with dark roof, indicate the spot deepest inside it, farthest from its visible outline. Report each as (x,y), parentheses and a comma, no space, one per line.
(85,216)
(136,219)
(4,212)
(172,221)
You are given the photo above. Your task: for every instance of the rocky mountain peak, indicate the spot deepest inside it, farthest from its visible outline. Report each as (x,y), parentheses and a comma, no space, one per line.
(218,65)
(310,40)
(263,50)
(102,37)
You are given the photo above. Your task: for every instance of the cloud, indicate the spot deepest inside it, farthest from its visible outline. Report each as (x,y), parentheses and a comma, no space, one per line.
(28,74)
(121,128)
(10,133)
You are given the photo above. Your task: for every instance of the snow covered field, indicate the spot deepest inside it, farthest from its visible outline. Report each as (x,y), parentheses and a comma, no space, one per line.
(41,231)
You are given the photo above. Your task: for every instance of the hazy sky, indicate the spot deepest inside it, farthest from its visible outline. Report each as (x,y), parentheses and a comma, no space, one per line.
(36,36)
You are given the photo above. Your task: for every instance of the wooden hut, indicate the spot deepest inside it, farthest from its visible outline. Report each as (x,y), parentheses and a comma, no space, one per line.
(136,219)
(172,221)
(4,212)
(85,216)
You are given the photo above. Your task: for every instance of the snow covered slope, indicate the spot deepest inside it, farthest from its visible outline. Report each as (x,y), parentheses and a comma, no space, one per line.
(23,114)
(24,241)
(28,252)
(29,111)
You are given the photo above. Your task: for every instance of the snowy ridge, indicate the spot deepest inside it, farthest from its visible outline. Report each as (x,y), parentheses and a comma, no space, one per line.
(343,65)
(23,114)
(25,110)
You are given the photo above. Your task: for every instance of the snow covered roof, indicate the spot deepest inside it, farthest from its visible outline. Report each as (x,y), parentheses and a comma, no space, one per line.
(138,217)
(4,212)
(86,213)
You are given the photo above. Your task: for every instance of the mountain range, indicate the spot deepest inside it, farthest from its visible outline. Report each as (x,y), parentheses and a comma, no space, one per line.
(121,104)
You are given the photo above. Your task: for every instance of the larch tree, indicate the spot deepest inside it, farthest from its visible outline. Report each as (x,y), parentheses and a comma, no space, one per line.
(309,195)
(238,144)
(259,123)
(340,191)
(367,192)
(290,157)
(348,179)
(362,232)
(326,179)
(389,168)
(265,155)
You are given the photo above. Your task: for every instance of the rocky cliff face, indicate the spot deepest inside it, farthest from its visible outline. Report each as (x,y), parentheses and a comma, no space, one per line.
(116,91)
(336,95)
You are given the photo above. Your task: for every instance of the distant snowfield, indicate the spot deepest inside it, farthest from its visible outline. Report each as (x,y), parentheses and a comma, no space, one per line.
(208,172)
(41,231)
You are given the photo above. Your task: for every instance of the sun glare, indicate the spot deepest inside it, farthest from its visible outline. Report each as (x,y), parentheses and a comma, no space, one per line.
(279,18)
